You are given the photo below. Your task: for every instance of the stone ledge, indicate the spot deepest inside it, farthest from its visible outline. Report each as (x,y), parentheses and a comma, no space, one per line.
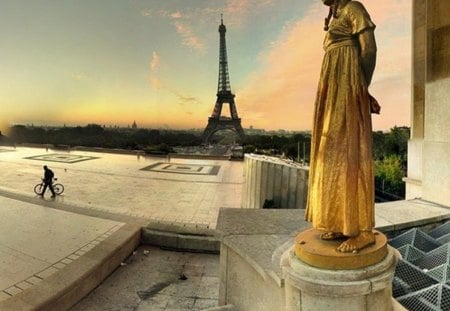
(222,308)
(200,229)
(63,289)
(259,237)
(400,215)
(413,181)
(182,242)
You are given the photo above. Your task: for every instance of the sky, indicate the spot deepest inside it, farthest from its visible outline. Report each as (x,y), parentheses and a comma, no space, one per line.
(156,62)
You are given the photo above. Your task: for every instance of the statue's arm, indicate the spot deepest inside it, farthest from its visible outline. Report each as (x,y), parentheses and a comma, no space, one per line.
(368,55)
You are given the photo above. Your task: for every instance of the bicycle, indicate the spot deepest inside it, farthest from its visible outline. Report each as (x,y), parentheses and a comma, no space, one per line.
(58,188)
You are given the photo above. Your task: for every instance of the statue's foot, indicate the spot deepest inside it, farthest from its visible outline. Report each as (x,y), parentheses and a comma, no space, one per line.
(354,244)
(331,235)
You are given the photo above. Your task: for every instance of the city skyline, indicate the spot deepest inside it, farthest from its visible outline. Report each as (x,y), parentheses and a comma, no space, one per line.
(156,62)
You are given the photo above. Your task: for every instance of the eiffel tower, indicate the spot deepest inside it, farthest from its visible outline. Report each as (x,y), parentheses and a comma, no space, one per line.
(217,122)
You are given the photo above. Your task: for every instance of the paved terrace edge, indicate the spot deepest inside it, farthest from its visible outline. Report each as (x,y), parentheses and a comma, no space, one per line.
(66,287)
(262,246)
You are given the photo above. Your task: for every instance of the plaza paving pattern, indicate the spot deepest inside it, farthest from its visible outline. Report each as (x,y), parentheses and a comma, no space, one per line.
(104,195)
(117,184)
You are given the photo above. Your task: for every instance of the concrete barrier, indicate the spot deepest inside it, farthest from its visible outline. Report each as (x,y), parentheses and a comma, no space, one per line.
(271,182)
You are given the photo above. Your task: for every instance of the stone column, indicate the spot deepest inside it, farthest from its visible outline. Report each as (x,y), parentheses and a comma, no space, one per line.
(429,146)
(419,70)
(311,288)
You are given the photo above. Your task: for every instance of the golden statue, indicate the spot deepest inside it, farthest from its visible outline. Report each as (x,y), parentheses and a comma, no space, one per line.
(341,182)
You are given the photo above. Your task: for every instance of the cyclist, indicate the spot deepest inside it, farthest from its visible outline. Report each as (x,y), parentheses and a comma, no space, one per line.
(48,181)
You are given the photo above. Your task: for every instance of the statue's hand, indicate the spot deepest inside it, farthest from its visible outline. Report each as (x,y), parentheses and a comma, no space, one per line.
(374,105)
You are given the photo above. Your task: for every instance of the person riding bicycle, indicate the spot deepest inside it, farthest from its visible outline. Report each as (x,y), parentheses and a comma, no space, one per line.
(48,181)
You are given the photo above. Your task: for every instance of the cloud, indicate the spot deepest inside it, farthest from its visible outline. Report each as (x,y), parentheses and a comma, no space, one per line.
(288,91)
(238,6)
(146,12)
(190,23)
(282,90)
(189,39)
(157,83)
(80,76)
(182,24)
(175,15)
(237,12)
(183,99)
(388,11)
(155,62)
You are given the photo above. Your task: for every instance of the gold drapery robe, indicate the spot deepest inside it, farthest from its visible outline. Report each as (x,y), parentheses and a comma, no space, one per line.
(341,181)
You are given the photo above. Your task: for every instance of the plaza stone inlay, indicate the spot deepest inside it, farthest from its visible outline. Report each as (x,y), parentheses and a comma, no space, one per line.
(61,157)
(5,150)
(183,168)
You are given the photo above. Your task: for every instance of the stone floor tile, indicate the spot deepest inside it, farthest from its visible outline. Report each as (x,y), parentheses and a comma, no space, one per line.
(201,304)
(34,280)
(24,285)
(180,304)
(193,270)
(66,261)
(183,288)
(59,265)
(4,296)
(47,272)
(13,290)
(209,288)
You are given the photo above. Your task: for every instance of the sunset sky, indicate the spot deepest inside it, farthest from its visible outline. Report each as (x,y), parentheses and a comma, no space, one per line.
(76,62)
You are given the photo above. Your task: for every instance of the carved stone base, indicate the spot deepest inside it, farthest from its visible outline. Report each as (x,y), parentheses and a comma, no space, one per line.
(310,288)
(323,254)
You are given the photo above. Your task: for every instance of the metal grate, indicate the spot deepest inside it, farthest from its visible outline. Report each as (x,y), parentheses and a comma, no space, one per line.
(422,277)
(417,238)
(435,258)
(440,273)
(408,278)
(434,298)
(440,231)
(410,253)
(444,239)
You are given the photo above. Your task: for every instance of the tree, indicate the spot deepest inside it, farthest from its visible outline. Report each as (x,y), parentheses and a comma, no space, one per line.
(388,175)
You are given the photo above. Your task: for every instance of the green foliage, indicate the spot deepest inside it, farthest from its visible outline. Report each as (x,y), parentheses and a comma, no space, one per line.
(249,149)
(289,145)
(94,135)
(393,142)
(390,155)
(388,175)
(158,149)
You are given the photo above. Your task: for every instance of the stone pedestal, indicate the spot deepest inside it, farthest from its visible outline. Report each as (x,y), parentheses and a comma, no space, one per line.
(310,288)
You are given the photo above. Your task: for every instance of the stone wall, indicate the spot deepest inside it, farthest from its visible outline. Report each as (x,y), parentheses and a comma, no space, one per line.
(237,276)
(270,178)
(429,147)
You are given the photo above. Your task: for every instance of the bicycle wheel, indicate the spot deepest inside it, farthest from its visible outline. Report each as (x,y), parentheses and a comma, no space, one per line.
(59,188)
(38,188)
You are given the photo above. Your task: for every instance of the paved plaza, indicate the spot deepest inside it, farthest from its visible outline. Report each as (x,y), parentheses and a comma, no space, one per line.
(188,191)
(54,247)
(104,192)
(155,280)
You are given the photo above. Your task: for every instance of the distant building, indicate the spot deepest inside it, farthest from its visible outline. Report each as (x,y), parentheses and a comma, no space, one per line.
(134,126)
